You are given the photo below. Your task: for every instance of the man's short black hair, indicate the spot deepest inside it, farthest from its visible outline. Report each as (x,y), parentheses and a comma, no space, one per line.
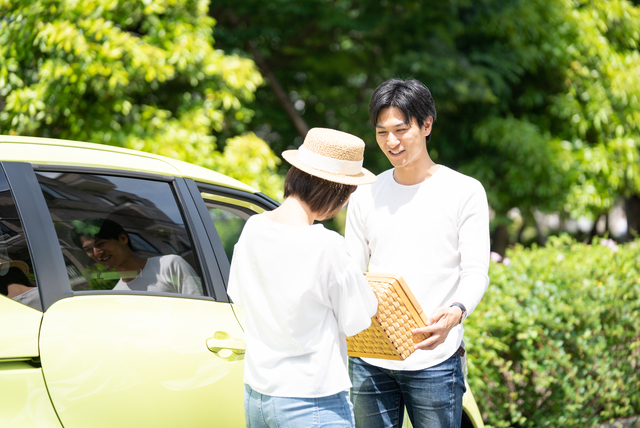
(13,276)
(323,197)
(412,97)
(98,228)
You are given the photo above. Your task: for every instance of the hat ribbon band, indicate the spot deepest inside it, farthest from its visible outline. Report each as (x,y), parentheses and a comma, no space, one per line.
(328,164)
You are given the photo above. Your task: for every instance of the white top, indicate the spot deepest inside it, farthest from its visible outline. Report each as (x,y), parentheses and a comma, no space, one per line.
(435,234)
(302,295)
(30,298)
(168,274)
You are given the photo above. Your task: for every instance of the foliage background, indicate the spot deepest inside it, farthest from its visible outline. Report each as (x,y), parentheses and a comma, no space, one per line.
(538,99)
(555,341)
(136,74)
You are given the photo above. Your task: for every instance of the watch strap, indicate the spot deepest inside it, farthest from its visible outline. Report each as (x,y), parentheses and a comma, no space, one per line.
(463,316)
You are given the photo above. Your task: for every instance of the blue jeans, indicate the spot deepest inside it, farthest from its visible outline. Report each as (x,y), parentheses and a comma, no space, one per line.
(433,396)
(262,411)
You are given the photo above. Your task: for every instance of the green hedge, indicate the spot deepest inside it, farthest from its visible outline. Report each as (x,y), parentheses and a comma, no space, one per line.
(555,341)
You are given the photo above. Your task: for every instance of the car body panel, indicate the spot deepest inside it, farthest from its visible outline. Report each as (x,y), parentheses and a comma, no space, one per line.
(24,402)
(146,357)
(240,316)
(21,326)
(470,407)
(47,151)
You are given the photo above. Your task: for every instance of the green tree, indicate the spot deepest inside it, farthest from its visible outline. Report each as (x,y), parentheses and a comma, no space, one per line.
(136,74)
(579,84)
(537,99)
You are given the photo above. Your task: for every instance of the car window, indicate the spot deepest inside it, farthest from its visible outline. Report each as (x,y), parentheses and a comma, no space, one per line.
(121,233)
(17,280)
(229,216)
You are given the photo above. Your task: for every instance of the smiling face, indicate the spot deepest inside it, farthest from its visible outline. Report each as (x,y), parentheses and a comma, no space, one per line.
(112,253)
(403,143)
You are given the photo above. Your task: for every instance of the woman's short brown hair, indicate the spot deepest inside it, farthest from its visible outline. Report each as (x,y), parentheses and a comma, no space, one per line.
(323,197)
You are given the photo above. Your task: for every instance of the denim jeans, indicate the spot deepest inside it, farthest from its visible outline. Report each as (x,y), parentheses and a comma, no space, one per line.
(433,396)
(262,411)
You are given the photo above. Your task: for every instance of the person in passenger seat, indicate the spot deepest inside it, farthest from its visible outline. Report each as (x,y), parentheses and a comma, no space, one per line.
(106,242)
(15,284)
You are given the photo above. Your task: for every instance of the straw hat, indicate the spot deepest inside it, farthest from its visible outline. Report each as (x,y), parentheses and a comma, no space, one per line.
(6,265)
(332,155)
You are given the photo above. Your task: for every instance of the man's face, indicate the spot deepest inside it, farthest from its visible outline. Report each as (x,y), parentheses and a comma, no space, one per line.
(403,143)
(109,252)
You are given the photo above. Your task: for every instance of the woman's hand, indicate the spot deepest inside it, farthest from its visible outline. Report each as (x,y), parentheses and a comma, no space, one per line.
(438,327)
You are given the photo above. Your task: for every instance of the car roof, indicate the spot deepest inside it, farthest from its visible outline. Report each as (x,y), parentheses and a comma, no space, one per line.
(49,151)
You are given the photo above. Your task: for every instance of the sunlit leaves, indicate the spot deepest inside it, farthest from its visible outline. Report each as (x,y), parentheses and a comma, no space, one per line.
(138,74)
(248,158)
(536,174)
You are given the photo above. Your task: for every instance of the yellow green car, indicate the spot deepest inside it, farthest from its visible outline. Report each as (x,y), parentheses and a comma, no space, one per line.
(84,343)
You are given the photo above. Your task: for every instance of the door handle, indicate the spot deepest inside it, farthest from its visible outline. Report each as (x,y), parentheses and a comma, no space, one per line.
(226,347)
(236,346)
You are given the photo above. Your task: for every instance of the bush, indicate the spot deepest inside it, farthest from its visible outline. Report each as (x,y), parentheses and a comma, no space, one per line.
(555,341)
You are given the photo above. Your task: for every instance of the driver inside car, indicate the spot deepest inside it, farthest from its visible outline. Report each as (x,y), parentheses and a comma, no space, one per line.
(106,242)
(15,284)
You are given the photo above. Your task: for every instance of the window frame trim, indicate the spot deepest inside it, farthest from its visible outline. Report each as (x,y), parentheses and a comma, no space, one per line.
(100,171)
(43,246)
(258,199)
(205,248)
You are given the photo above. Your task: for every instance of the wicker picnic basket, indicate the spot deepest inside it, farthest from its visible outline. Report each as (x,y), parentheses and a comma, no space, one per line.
(390,334)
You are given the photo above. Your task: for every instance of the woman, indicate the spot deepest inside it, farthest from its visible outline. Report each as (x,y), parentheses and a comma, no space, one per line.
(15,284)
(301,292)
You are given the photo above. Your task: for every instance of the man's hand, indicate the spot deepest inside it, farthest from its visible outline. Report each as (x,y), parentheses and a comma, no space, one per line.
(438,327)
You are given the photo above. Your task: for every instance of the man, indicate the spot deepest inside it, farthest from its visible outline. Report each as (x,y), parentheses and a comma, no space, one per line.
(429,224)
(107,243)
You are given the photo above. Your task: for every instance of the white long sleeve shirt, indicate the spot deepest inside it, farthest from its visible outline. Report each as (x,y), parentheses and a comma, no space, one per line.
(435,234)
(169,273)
(302,295)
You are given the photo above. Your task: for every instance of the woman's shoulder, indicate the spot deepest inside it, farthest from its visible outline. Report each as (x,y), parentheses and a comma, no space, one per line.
(330,241)
(255,223)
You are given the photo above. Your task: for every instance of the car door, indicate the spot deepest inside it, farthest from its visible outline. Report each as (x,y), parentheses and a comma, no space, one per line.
(130,358)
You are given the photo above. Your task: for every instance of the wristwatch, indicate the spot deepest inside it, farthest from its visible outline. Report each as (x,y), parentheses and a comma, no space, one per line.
(463,316)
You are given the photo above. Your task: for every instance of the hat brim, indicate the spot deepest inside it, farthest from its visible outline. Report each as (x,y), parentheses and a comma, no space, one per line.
(17,264)
(363,177)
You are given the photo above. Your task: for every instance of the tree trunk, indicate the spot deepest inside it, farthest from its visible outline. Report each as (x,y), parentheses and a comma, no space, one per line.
(541,238)
(632,210)
(500,239)
(278,90)
(266,71)
(594,229)
(521,231)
